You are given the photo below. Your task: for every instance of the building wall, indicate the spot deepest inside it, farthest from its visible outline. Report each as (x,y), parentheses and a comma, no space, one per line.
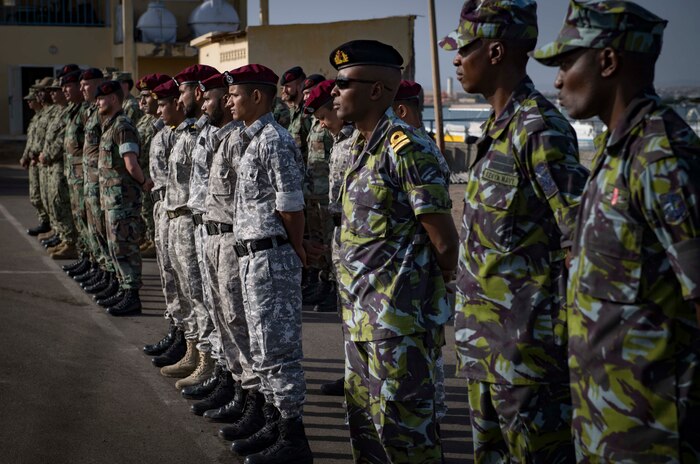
(45,46)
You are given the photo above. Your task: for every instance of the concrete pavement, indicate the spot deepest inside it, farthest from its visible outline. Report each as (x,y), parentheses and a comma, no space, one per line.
(76,387)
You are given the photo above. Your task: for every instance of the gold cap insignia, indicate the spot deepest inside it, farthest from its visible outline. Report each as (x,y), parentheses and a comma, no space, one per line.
(340,57)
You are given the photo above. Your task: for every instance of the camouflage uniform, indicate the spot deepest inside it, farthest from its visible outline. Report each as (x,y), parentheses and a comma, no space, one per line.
(177,306)
(30,154)
(337,165)
(634,342)
(146,131)
(45,170)
(181,244)
(280,111)
(270,180)
(319,224)
(299,128)
(393,295)
(221,259)
(73,143)
(120,196)
(209,336)
(131,108)
(57,192)
(93,208)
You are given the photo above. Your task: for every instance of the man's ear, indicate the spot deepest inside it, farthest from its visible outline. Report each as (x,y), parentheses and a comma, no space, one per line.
(497,52)
(401,110)
(257,96)
(609,61)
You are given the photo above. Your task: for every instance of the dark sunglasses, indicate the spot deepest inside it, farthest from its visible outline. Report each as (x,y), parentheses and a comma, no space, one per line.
(344,82)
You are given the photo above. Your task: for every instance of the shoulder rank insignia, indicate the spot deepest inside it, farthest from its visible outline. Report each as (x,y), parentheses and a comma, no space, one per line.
(398,140)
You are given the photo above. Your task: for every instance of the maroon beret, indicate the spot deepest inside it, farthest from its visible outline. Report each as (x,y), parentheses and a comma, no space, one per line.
(292,74)
(251,74)
(151,81)
(408,90)
(91,73)
(365,52)
(69,68)
(108,88)
(70,77)
(312,81)
(194,74)
(217,81)
(167,89)
(319,96)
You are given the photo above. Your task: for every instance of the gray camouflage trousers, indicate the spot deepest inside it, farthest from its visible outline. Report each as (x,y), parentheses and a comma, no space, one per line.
(183,255)
(211,330)
(59,203)
(35,196)
(227,300)
(177,307)
(271,284)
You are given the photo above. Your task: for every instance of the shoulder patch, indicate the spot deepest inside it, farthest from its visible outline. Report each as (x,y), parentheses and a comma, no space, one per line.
(674,207)
(398,140)
(544,178)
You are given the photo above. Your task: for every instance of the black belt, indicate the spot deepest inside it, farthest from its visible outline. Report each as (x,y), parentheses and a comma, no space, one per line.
(336,220)
(253,246)
(216,228)
(178,212)
(197,218)
(158,195)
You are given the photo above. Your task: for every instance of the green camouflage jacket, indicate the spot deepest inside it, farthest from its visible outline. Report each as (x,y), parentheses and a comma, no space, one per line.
(118,190)
(299,128)
(74,137)
(91,149)
(634,342)
(146,131)
(31,134)
(280,111)
(131,108)
(54,138)
(521,199)
(390,281)
(319,143)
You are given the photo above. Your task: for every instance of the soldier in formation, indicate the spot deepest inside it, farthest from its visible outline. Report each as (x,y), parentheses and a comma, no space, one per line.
(577,305)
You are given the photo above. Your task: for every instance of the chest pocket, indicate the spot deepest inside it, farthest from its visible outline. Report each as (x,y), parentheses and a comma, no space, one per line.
(183,168)
(221,182)
(492,197)
(92,135)
(249,179)
(612,251)
(106,154)
(367,211)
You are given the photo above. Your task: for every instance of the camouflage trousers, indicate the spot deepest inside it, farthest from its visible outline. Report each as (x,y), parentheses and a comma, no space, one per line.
(319,225)
(44,189)
(60,205)
(183,256)
(271,286)
(210,332)
(227,300)
(391,398)
(97,232)
(147,217)
(177,307)
(76,190)
(527,424)
(124,230)
(35,196)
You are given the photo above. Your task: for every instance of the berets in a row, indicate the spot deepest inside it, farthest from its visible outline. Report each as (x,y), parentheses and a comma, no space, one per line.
(69,68)
(251,74)
(319,96)
(168,89)
(313,80)
(217,81)
(292,74)
(71,77)
(150,81)
(91,73)
(195,74)
(108,88)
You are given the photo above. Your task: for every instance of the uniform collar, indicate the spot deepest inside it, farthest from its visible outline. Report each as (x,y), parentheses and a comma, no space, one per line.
(226,129)
(185,124)
(636,111)
(386,122)
(493,128)
(257,126)
(111,120)
(345,133)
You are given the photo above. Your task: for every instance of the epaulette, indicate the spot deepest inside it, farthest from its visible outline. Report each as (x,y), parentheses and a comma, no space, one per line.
(398,139)
(193,129)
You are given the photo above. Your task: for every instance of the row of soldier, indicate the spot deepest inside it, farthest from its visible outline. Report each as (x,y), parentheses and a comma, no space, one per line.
(360,193)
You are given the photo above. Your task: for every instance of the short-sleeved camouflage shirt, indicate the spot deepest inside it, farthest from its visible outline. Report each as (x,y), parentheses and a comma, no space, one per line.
(118,190)
(521,199)
(390,282)
(633,333)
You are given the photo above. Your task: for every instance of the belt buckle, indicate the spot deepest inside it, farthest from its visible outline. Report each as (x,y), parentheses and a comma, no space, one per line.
(211,228)
(241,249)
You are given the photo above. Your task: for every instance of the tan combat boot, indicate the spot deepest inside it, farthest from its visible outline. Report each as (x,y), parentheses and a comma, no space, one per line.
(186,365)
(54,249)
(67,251)
(149,251)
(143,245)
(205,367)
(46,235)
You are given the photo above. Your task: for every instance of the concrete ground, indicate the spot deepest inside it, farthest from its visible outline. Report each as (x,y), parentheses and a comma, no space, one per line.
(76,388)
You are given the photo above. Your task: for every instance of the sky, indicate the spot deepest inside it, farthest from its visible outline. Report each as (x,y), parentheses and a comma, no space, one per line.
(679,63)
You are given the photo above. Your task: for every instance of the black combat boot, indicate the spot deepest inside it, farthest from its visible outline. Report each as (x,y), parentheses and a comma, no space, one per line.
(111,290)
(291,446)
(84,267)
(96,277)
(336,388)
(75,264)
(40,229)
(88,274)
(51,242)
(252,420)
(130,304)
(173,354)
(263,438)
(163,344)
(99,287)
(204,389)
(110,301)
(231,411)
(223,393)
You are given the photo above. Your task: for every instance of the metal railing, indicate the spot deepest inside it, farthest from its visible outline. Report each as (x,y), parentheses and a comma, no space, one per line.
(90,13)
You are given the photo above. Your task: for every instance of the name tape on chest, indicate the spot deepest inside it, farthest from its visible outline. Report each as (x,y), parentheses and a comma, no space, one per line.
(510,180)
